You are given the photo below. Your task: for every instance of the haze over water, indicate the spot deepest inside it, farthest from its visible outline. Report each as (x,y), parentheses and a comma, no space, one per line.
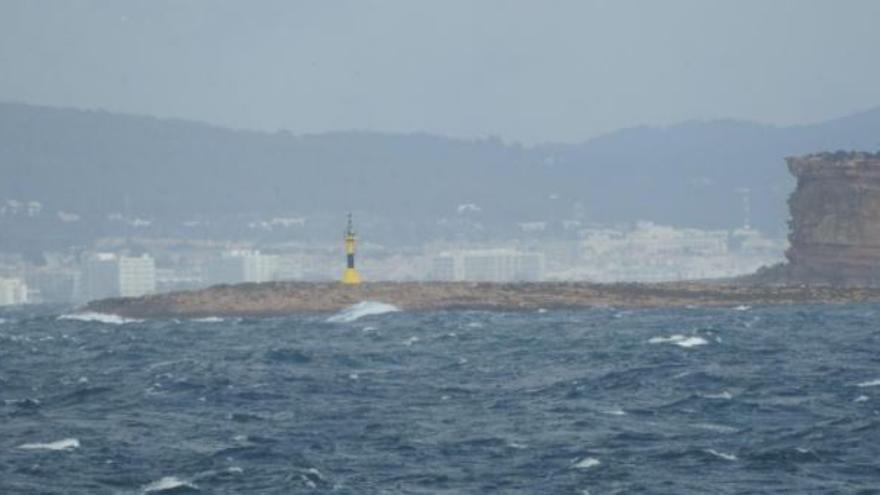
(151,147)
(734,400)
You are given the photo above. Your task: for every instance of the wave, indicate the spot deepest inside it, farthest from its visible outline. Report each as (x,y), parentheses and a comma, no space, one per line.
(361,309)
(679,340)
(26,403)
(722,455)
(208,319)
(586,463)
(169,483)
(66,444)
(715,427)
(872,383)
(92,316)
(723,395)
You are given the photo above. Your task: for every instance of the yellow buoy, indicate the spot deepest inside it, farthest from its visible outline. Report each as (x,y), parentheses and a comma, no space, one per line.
(350,275)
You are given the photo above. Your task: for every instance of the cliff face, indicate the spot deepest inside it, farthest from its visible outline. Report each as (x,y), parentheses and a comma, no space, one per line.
(835,219)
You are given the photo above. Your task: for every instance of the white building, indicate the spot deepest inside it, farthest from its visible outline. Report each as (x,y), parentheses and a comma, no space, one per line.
(240,266)
(109,275)
(648,239)
(137,276)
(13,291)
(655,253)
(100,277)
(489,265)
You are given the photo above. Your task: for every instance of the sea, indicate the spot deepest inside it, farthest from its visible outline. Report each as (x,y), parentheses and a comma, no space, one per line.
(373,400)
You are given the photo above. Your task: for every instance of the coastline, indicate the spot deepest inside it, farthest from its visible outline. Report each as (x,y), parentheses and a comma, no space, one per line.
(282,298)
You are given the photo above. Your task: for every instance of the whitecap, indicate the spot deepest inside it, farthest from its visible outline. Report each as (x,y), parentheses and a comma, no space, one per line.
(91,316)
(722,455)
(861,398)
(742,307)
(872,383)
(715,427)
(311,477)
(586,463)
(66,444)
(208,319)
(542,310)
(615,412)
(723,395)
(168,483)
(361,309)
(410,341)
(679,340)
(692,342)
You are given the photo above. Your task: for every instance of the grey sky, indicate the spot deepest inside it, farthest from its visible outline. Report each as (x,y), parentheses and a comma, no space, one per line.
(527,71)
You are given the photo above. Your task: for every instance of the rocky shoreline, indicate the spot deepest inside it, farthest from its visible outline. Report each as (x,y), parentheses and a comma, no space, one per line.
(281,298)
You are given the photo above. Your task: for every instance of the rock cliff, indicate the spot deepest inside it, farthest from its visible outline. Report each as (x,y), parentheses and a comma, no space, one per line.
(835,220)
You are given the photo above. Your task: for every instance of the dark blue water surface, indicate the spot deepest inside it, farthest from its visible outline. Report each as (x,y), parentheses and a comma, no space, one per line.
(598,401)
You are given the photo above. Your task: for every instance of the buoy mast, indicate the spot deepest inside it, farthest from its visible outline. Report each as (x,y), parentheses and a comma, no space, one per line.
(350,275)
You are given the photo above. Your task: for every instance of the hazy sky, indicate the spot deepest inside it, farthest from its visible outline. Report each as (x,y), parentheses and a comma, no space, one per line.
(527,71)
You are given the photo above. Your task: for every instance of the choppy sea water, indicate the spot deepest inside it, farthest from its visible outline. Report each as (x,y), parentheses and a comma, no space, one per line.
(598,401)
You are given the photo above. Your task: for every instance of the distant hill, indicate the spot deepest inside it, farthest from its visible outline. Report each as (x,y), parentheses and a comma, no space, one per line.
(105,170)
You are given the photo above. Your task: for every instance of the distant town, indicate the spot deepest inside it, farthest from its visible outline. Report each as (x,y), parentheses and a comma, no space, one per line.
(135,266)
(170,205)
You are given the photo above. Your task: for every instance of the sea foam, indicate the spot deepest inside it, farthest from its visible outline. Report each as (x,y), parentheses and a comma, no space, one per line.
(722,455)
(723,395)
(615,412)
(872,383)
(92,316)
(586,463)
(66,444)
(361,309)
(679,340)
(168,483)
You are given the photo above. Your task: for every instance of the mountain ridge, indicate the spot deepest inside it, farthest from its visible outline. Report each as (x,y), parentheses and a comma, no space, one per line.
(405,187)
